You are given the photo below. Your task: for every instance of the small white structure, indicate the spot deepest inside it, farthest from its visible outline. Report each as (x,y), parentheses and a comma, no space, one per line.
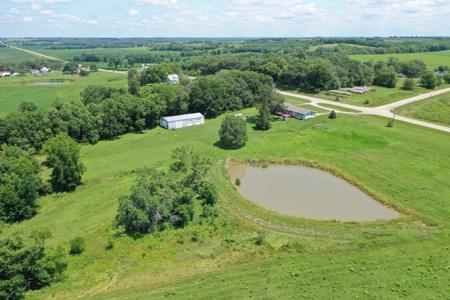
(44,70)
(177,122)
(35,72)
(173,78)
(5,73)
(16,74)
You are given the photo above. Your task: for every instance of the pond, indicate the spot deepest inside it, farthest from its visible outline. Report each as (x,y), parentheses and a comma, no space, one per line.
(308,193)
(48,83)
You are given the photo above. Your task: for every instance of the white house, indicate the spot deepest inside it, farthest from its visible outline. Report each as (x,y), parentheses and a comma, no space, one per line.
(5,73)
(173,78)
(35,72)
(176,122)
(299,112)
(44,70)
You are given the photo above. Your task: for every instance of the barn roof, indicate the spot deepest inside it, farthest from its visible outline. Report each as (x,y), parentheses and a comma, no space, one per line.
(183,117)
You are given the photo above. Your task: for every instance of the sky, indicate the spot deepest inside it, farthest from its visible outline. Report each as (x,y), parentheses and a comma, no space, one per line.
(225,18)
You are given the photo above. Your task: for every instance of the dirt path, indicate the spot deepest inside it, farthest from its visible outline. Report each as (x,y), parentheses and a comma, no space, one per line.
(384,110)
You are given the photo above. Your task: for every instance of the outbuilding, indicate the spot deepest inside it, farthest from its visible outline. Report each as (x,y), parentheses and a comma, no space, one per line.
(173,78)
(5,73)
(181,121)
(299,112)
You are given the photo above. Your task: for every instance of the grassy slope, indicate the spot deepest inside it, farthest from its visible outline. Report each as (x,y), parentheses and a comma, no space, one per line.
(380,95)
(335,256)
(432,59)
(68,54)
(9,55)
(436,109)
(18,89)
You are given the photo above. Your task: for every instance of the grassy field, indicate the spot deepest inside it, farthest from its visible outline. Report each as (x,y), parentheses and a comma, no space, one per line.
(379,95)
(68,54)
(431,59)
(18,89)
(339,108)
(436,109)
(407,257)
(9,55)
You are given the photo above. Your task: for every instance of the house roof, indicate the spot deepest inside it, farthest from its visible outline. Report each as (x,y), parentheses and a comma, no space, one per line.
(183,117)
(300,110)
(173,77)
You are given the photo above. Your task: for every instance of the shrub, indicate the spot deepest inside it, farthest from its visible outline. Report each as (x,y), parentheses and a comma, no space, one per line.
(77,246)
(446,77)
(409,84)
(390,123)
(237,182)
(259,239)
(233,133)
(366,102)
(109,244)
(429,80)
(332,115)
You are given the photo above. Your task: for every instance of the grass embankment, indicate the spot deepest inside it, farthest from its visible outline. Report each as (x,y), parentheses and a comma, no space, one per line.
(405,257)
(435,109)
(431,59)
(379,95)
(15,90)
(10,55)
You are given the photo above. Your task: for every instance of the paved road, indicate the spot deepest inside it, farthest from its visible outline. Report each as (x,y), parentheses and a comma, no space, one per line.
(384,110)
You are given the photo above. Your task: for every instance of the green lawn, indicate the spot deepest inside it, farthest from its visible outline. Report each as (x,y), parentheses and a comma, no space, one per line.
(436,109)
(15,90)
(431,59)
(379,95)
(402,258)
(9,55)
(68,54)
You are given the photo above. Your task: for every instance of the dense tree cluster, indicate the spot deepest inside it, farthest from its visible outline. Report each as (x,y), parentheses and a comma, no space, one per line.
(168,199)
(20,184)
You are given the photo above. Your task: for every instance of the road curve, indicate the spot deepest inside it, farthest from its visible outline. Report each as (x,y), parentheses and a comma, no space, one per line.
(384,110)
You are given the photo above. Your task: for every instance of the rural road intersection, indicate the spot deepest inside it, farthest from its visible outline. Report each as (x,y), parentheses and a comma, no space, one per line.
(384,110)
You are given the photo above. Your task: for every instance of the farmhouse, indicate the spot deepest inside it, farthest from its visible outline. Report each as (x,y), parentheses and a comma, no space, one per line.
(299,112)
(182,121)
(173,78)
(44,70)
(35,72)
(5,73)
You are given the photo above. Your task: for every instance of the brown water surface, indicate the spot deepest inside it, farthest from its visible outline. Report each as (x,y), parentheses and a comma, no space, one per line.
(307,192)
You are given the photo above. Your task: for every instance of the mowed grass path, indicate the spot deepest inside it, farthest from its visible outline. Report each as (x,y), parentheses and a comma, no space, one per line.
(15,90)
(10,55)
(431,59)
(436,110)
(382,259)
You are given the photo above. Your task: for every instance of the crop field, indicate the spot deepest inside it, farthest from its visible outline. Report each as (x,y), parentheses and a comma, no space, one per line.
(379,95)
(9,55)
(407,257)
(436,110)
(16,90)
(431,59)
(68,54)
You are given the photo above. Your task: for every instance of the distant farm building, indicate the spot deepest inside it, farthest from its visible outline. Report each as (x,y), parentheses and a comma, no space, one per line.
(359,90)
(299,113)
(173,78)
(44,70)
(5,73)
(177,122)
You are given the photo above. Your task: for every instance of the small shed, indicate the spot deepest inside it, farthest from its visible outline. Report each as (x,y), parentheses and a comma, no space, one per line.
(173,78)
(181,121)
(5,73)
(299,112)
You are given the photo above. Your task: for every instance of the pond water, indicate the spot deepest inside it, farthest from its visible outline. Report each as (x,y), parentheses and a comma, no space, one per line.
(308,193)
(48,83)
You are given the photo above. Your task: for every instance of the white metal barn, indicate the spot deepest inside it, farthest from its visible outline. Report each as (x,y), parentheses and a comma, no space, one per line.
(177,122)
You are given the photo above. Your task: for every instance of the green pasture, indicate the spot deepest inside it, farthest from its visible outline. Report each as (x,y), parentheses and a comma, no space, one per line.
(15,90)
(10,55)
(431,59)
(407,257)
(435,109)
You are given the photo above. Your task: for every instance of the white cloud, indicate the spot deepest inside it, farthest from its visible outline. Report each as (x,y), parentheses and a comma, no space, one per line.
(40,1)
(134,13)
(158,2)
(36,6)
(27,19)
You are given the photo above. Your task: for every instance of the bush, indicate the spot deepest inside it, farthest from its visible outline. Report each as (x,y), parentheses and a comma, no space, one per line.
(109,244)
(446,77)
(332,115)
(233,133)
(237,182)
(366,102)
(259,239)
(429,80)
(409,84)
(77,246)
(390,123)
